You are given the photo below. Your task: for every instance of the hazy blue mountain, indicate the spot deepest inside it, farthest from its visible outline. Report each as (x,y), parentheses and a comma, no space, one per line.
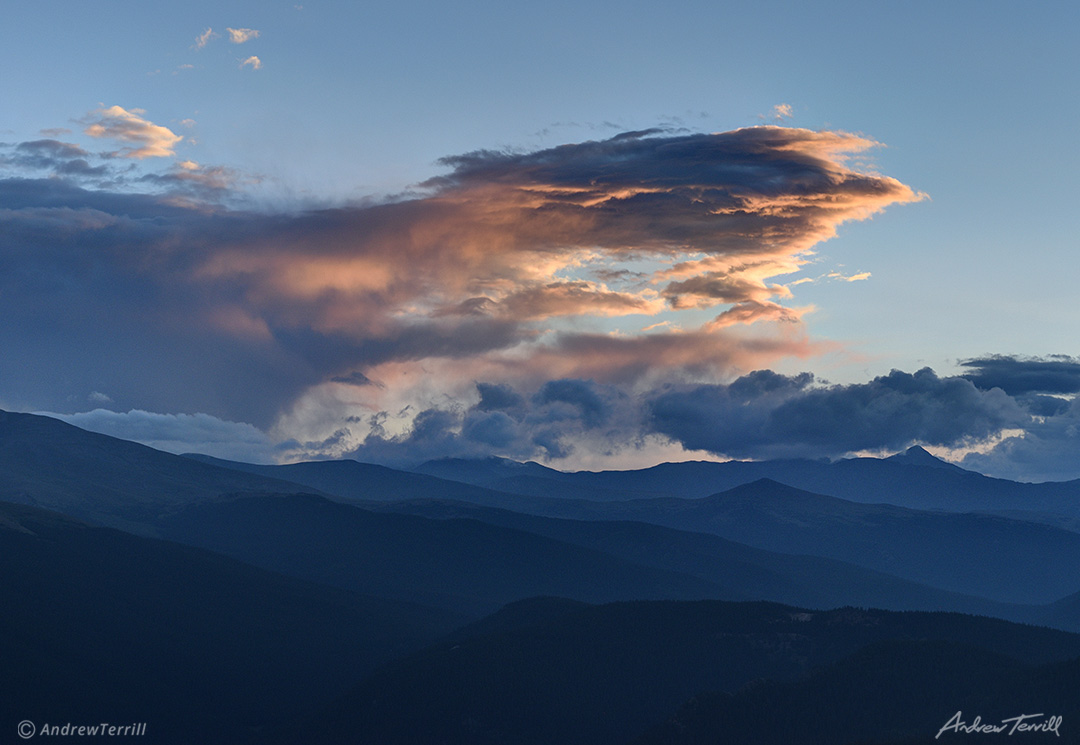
(808,581)
(51,464)
(604,674)
(534,480)
(353,480)
(1009,561)
(467,565)
(103,626)
(913,479)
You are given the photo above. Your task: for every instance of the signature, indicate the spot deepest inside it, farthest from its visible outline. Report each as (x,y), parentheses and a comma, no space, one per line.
(1021,723)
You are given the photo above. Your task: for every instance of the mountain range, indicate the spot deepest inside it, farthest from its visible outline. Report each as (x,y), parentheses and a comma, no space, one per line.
(493,601)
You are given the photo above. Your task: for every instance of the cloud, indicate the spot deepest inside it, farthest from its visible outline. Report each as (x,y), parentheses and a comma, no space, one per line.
(1016,375)
(1046,449)
(254,62)
(767,415)
(241,35)
(760,415)
(204,38)
(62,159)
(179,433)
(144,138)
(204,183)
(514,268)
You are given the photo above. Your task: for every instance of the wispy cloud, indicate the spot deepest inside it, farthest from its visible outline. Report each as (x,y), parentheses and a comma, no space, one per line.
(204,38)
(143,138)
(253,62)
(241,35)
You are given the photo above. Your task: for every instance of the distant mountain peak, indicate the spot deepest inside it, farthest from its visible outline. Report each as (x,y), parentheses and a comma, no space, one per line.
(916,455)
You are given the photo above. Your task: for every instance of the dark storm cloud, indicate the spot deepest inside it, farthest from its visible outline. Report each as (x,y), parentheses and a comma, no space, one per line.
(1018,375)
(767,415)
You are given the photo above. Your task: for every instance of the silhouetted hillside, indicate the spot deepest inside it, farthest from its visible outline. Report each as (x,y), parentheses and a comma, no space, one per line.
(903,692)
(103,626)
(605,674)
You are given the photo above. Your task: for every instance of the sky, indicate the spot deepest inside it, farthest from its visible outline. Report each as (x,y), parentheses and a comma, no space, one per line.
(595,236)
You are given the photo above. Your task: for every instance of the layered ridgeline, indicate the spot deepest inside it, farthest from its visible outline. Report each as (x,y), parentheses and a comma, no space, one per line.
(473,563)
(281,588)
(548,671)
(1026,557)
(914,479)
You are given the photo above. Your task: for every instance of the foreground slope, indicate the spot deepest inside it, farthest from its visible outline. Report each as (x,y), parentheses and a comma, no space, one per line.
(100,625)
(563,673)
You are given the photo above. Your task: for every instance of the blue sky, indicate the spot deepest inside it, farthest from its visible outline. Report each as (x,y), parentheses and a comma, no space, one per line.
(347,106)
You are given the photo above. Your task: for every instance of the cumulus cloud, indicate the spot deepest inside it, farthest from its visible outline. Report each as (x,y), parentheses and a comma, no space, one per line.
(760,415)
(511,267)
(253,62)
(241,35)
(142,138)
(770,415)
(1047,449)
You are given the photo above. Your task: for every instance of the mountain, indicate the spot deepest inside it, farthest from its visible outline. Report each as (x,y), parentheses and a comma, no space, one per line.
(920,456)
(104,626)
(807,581)
(50,464)
(914,479)
(562,673)
(354,480)
(466,565)
(1010,561)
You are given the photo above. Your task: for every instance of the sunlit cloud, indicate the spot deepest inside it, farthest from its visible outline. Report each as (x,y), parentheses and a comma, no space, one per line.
(511,267)
(143,138)
(852,278)
(241,35)
(253,62)
(204,38)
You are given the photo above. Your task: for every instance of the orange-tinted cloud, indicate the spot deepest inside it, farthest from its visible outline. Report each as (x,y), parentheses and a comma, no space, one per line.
(142,138)
(514,265)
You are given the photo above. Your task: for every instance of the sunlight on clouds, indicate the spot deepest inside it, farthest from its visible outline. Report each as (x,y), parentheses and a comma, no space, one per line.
(241,35)
(253,62)
(145,139)
(204,38)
